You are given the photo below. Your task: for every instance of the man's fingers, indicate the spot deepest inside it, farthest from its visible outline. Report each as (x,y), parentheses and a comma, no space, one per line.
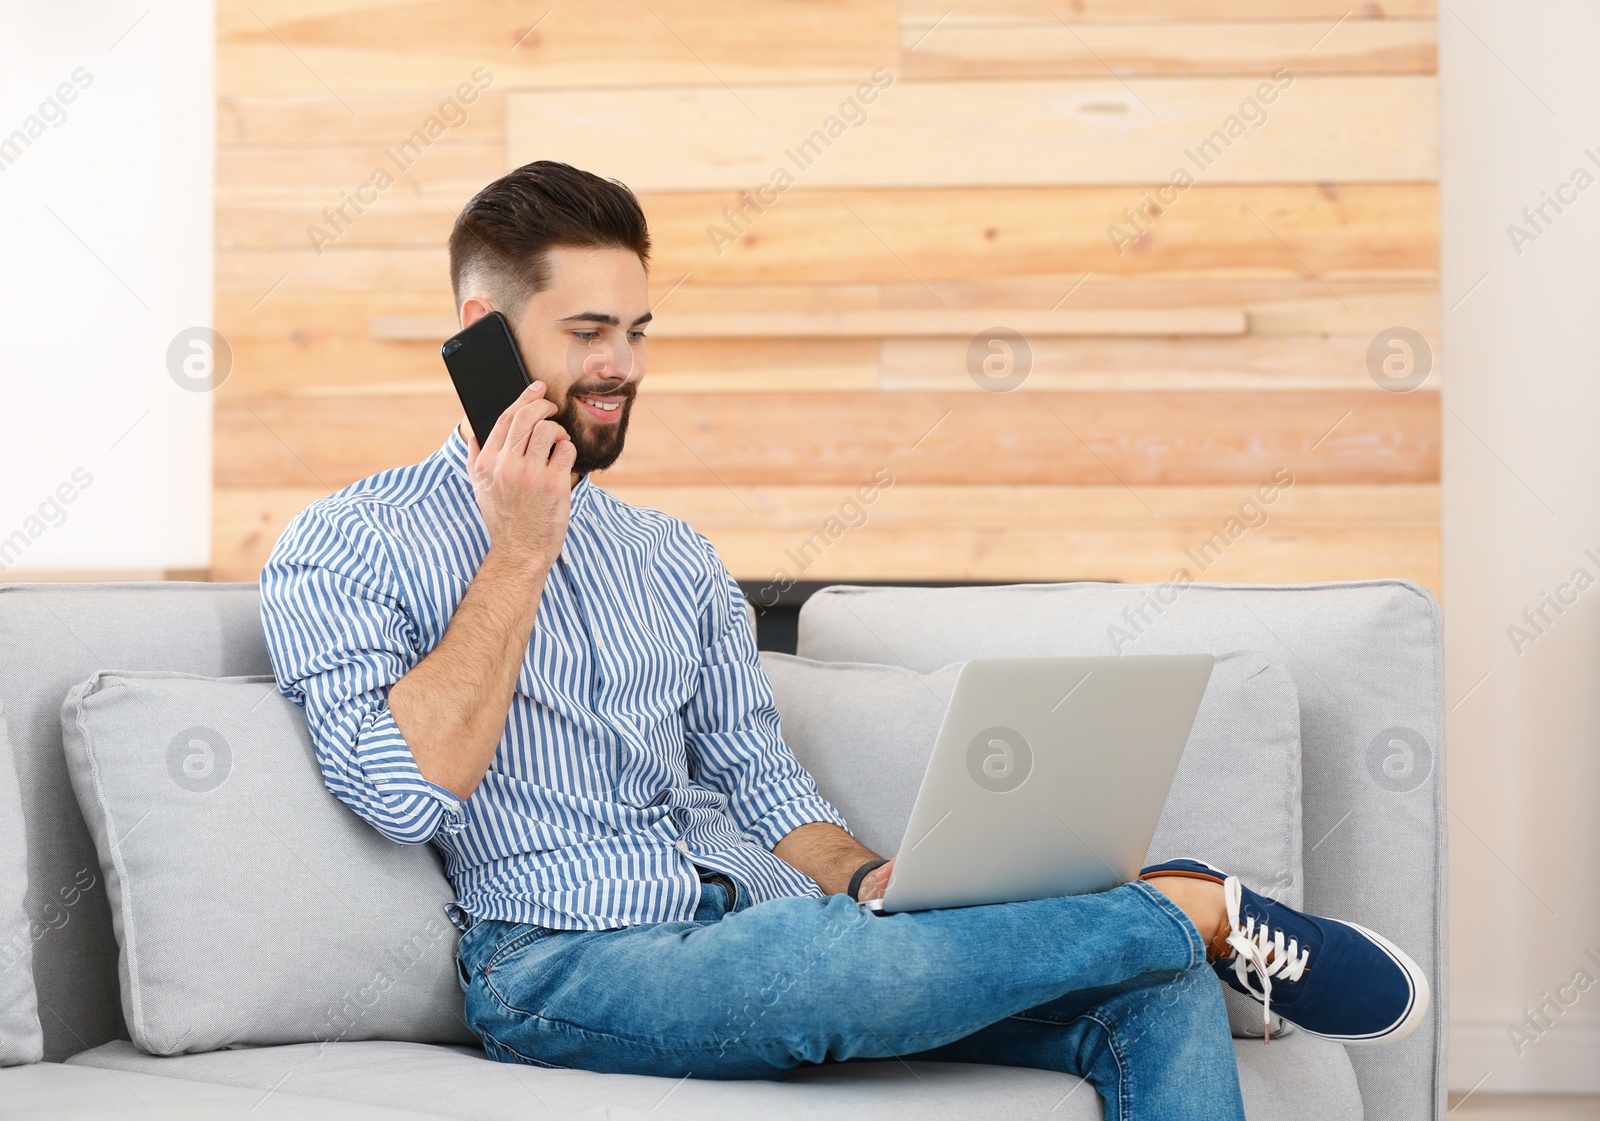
(502,426)
(564,454)
(523,422)
(542,440)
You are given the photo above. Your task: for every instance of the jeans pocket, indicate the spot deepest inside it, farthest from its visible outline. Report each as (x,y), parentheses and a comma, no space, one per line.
(511,976)
(514,941)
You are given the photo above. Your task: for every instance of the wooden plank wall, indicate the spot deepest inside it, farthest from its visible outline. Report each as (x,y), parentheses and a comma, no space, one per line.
(1014,167)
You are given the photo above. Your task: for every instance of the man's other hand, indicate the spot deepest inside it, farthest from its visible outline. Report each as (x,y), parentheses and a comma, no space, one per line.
(874,882)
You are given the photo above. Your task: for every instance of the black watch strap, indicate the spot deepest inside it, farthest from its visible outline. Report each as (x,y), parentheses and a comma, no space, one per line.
(861,874)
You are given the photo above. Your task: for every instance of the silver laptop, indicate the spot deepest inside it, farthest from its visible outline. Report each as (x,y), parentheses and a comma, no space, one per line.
(1047,778)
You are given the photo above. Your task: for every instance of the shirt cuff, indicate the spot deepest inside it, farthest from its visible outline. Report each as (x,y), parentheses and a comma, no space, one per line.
(783,819)
(386,760)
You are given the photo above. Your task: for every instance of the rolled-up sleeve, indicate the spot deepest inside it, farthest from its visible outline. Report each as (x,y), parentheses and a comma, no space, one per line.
(735,742)
(340,637)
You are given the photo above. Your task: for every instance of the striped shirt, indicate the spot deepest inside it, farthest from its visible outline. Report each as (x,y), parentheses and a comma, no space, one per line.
(642,738)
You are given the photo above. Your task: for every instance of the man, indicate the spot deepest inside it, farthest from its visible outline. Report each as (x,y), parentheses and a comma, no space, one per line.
(562,692)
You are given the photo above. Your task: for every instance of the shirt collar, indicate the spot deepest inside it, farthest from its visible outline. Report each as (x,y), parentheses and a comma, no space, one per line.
(455,452)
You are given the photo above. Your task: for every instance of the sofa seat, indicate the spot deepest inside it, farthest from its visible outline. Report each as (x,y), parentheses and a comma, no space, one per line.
(58,1092)
(459,1082)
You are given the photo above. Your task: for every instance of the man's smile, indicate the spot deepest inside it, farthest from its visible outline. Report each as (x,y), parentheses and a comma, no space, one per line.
(604,408)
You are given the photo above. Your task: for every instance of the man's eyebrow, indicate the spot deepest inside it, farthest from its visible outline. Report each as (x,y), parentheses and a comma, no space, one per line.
(604,317)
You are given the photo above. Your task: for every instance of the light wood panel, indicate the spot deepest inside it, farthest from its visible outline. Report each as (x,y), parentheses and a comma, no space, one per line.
(338,364)
(992,438)
(1311,532)
(447,171)
(991,134)
(981,191)
(926,14)
(1055,48)
(1255,363)
(1272,306)
(1326,234)
(882,323)
(293,47)
(370,120)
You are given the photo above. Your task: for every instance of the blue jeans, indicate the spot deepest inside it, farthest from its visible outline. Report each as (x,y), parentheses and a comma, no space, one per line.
(1113,987)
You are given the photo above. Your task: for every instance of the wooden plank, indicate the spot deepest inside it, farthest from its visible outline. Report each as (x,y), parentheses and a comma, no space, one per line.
(1274,307)
(1312,532)
(1266,363)
(447,170)
(400,270)
(299,314)
(985,134)
(1338,233)
(1338,553)
(991,12)
(1309,306)
(934,236)
(371,120)
(318,365)
(1052,48)
(965,324)
(953,237)
(429,46)
(800,508)
(1139,439)
(396,219)
(315,364)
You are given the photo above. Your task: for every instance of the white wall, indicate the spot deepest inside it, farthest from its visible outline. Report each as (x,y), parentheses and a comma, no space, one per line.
(1521,103)
(105,255)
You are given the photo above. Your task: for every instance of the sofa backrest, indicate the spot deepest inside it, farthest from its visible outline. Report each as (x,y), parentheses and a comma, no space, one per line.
(1366,659)
(53,636)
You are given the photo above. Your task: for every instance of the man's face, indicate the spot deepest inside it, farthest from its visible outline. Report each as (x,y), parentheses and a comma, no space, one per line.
(584,338)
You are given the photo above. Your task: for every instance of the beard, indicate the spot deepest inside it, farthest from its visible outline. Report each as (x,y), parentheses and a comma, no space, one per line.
(598,445)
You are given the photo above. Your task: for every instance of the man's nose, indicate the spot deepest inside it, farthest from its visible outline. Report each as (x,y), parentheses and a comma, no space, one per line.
(608,362)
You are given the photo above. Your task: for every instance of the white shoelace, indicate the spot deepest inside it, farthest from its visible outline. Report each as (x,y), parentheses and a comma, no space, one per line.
(1261,950)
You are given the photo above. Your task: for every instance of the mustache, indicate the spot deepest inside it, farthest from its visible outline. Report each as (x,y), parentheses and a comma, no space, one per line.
(626,392)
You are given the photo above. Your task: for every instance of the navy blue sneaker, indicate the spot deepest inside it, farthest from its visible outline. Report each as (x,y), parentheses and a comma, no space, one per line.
(1328,977)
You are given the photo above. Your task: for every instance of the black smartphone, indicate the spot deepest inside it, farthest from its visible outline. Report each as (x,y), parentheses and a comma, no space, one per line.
(487,371)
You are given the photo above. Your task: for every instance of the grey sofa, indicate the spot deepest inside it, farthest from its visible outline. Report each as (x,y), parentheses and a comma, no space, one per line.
(1365,658)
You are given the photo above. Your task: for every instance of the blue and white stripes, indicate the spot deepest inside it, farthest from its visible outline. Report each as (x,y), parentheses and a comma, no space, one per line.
(642,738)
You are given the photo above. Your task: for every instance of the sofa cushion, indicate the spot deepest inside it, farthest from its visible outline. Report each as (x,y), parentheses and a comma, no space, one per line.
(21,1041)
(52,636)
(1298,1078)
(60,1091)
(251,907)
(1366,658)
(1235,801)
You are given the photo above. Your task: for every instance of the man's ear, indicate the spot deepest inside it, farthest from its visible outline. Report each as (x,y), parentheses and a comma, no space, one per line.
(473,310)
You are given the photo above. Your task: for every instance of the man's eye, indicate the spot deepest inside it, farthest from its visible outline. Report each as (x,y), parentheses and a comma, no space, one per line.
(587,336)
(638,336)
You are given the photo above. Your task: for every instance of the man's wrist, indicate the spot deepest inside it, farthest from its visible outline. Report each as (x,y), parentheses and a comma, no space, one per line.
(854,890)
(503,565)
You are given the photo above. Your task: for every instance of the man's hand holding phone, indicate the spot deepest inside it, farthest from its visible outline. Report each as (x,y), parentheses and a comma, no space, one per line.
(522,477)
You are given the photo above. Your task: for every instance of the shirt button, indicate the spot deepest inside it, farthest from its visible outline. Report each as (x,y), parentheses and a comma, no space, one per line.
(682,846)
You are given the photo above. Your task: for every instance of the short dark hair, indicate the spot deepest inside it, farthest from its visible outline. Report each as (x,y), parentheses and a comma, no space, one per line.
(498,245)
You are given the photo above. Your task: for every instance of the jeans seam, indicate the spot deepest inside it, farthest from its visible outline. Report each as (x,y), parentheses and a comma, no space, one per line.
(1197,948)
(1124,1089)
(529,1060)
(919,1041)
